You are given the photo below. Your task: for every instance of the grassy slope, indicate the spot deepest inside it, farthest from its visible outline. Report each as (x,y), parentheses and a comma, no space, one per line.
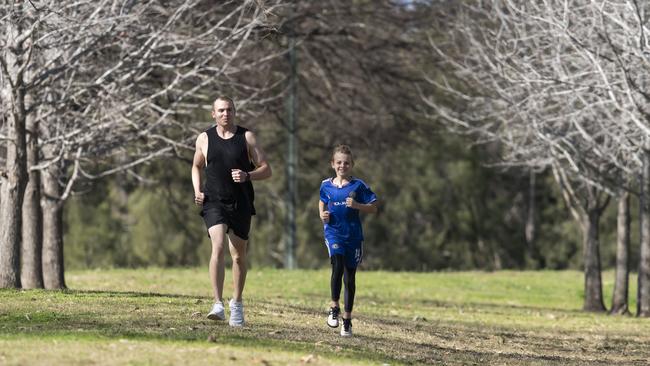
(156,316)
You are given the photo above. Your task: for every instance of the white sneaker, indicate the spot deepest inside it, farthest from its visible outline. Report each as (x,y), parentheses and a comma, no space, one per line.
(217,312)
(346,329)
(333,317)
(236,313)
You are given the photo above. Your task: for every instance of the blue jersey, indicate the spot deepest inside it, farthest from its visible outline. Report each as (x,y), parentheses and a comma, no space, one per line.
(344,222)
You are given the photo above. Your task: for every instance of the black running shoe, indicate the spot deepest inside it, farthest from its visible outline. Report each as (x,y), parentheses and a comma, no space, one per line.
(346,329)
(333,317)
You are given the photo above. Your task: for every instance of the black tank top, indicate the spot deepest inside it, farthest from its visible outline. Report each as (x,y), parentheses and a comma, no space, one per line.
(223,156)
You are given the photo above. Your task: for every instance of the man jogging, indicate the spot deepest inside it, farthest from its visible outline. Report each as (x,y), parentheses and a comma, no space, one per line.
(231,158)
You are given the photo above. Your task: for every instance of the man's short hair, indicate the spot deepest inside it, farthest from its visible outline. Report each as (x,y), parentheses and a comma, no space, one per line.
(227,99)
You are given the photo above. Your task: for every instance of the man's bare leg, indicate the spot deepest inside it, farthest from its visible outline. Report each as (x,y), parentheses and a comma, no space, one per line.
(217,263)
(237,247)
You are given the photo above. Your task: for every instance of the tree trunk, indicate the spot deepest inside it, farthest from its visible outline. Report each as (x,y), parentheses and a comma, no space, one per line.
(53,276)
(593,282)
(620,296)
(533,259)
(31,275)
(643,289)
(12,188)
(586,208)
(14,178)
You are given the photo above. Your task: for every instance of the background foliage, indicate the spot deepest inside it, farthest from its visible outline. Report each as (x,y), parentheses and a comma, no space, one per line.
(362,67)
(441,208)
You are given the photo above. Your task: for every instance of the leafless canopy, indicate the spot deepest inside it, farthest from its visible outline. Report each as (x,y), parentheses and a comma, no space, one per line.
(553,81)
(124,78)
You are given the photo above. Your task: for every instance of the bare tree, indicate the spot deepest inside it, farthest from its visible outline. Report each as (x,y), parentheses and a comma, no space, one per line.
(533,258)
(556,85)
(31,269)
(17,51)
(620,293)
(117,78)
(587,204)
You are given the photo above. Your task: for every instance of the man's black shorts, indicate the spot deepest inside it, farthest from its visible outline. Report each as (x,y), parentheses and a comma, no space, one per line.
(235,214)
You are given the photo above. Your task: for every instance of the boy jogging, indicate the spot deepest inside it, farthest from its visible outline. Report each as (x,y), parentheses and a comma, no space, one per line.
(341,199)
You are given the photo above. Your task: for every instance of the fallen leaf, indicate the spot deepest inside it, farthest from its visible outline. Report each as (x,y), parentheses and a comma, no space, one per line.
(261,361)
(307,359)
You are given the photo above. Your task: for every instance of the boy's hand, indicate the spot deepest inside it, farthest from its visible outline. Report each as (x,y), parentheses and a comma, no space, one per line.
(350,202)
(325,216)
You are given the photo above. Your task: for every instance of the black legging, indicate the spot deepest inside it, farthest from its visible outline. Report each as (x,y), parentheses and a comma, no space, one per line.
(339,270)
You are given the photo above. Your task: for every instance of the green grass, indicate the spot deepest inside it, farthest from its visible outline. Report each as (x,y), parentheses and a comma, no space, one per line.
(157,316)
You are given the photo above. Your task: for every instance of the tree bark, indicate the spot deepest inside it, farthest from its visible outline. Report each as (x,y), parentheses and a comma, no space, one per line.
(586,208)
(643,289)
(620,296)
(14,179)
(31,275)
(53,270)
(593,281)
(533,259)
(12,188)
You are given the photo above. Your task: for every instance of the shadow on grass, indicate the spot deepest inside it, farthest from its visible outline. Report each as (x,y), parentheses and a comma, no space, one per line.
(428,303)
(451,341)
(129,294)
(99,293)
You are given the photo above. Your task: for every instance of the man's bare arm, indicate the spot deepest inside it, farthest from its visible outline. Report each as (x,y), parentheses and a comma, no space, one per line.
(262,167)
(197,164)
